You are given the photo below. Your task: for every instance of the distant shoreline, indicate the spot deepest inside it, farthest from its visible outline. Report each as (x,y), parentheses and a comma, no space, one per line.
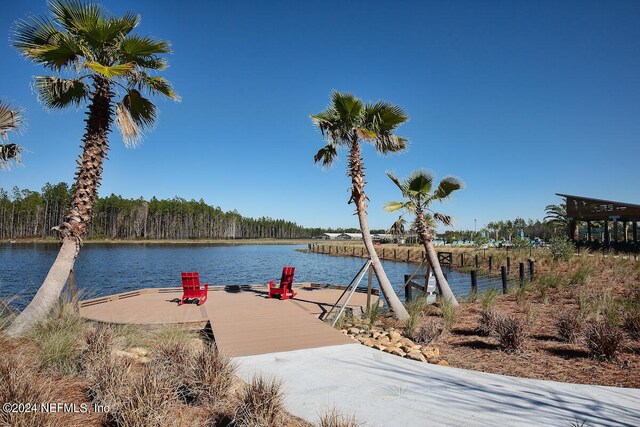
(170,241)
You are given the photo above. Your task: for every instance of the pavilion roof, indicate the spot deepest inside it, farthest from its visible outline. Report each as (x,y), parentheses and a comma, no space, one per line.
(582,208)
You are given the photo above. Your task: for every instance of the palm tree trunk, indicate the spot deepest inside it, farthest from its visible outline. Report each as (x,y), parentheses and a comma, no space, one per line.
(358,196)
(77,219)
(432,256)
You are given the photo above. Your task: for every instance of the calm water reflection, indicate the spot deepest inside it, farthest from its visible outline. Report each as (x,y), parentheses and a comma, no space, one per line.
(103,269)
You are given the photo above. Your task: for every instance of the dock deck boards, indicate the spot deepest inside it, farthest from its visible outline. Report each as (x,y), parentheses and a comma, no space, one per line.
(243,321)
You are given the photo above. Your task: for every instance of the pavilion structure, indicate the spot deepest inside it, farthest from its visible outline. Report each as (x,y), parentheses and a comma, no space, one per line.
(617,222)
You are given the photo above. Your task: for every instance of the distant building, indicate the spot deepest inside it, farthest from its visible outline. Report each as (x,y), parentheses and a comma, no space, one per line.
(381,237)
(349,236)
(328,236)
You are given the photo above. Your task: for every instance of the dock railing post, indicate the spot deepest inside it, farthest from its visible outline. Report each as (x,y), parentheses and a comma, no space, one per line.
(531,270)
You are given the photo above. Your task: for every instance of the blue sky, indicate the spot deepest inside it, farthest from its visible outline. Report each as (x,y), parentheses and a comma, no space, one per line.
(519,99)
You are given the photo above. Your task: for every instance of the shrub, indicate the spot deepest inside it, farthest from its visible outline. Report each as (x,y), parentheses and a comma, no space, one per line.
(569,326)
(98,346)
(143,398)
(552,280)
(521,295)
(372,312)
(632,324)
(260,403)
(58,340)
(20,384)
(581,275)
(449,313)
(511,332)
(603,340)
(334,419)
(428,332)
(415,308)
(487,322)
(211,376)
(488,298)
(562,249)
(174,361)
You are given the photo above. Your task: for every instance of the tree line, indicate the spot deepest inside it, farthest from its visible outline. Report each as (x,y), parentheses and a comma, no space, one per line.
(32,214)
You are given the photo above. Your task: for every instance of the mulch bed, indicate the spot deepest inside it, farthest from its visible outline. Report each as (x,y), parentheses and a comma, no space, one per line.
(544,355)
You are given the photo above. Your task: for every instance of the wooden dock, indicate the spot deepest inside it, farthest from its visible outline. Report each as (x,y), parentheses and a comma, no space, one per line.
(244,322)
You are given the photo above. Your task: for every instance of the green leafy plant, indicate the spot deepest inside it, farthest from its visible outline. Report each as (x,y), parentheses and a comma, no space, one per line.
(562,249)
(488,298)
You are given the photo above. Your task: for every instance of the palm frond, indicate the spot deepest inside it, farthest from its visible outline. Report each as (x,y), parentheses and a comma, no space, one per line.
(394,206)
(143,111)
(131,133)
(153,84)
(383,117)
(135,46)
(34,32)
(397,182)
(347,106)
(443,218)
(386,144)
(56,92)
(76,16)
(111,71)
(10,118)
(326,155)
(446,187)
(419,183)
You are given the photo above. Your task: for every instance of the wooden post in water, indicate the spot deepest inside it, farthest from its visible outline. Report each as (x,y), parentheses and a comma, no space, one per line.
(362,252)
(503,276)
(353,251)
(394,253)
(461,259)
(490,263)
(407,287)
(521,274)
(474,282)
(408,254)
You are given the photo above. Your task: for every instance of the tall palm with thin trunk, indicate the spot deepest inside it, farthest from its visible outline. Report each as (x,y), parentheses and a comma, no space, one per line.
(10,120)
(348,122)
(95,58)
(416,190)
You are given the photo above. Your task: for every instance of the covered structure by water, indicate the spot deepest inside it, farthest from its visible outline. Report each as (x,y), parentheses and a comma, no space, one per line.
(609,224)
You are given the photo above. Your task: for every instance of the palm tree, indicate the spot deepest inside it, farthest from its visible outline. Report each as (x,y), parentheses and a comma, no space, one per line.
(397,228)
(10,120)
(416,190)
(104,59)
(346,123)
(556,216)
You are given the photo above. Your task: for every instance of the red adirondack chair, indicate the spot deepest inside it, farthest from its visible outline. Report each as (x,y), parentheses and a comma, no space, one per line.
(285,287)
(192,290)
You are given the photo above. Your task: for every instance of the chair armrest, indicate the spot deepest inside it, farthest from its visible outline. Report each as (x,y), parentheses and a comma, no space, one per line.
(206,287)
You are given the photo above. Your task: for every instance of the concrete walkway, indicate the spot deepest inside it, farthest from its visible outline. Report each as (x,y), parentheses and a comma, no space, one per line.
(386,390)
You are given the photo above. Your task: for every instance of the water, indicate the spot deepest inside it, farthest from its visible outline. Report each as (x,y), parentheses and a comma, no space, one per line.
(103,269)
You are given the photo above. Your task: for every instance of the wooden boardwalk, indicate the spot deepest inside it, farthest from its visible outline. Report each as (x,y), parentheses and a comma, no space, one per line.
(243,321)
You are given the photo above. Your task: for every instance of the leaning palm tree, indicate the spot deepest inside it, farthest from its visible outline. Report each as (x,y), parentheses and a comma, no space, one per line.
(95,57)
(10,120)
(416,190)
(346,123)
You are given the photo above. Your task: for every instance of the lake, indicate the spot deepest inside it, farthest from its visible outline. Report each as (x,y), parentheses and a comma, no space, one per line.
(103,269)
